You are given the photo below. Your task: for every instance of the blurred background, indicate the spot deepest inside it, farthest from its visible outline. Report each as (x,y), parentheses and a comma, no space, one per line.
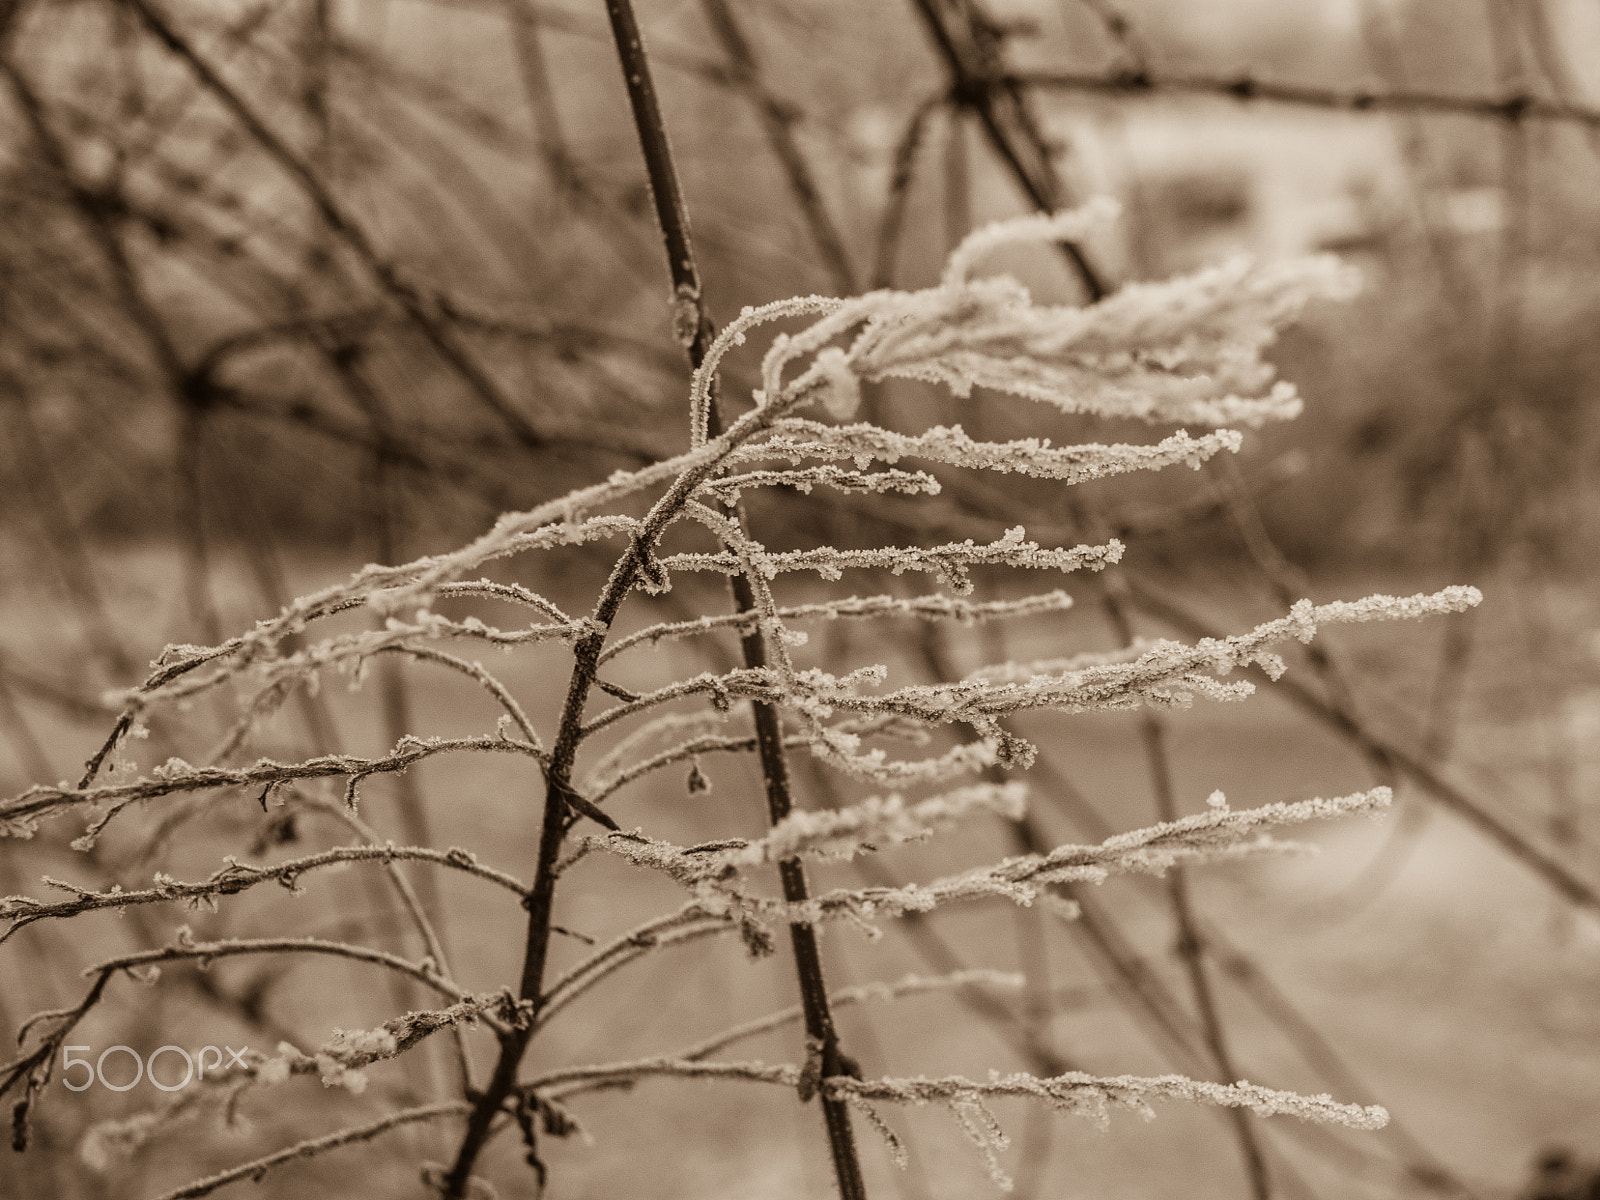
(291,286)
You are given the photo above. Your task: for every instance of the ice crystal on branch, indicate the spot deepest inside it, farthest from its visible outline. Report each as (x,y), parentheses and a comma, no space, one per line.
(1185,351)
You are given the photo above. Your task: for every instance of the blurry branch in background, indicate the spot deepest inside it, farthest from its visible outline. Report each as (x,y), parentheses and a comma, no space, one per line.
(891,222)
(419,307)
(778,118)
(1512,108)
(971,45)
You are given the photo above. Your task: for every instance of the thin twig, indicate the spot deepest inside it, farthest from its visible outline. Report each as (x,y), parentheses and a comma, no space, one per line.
(694,332)
(1513,107)
(257,1167)
(1387,756)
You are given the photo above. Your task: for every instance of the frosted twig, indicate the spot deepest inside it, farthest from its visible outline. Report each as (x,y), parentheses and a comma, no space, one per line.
(797,439)
(574,985)
(741,681)
(257,1167)
(476,672)
(882,992)
(236,877)
(20,815)
(1079,1094)
(752,557)
(729,488)
(782,1074)
(1186,350)
(1074,1093)
(711,872)
(838,746)
(512,593)
(734,335)
(186,948)
(822,833)
(935,607)
(416,911)
(949,561)
(1089,1095)
(340,1061)
(686,924)
(1071,226)
(684,751)
(666,729)
(910,985)
(1162,672)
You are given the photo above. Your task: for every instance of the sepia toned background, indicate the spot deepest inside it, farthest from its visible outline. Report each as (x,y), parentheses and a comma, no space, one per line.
(289,287)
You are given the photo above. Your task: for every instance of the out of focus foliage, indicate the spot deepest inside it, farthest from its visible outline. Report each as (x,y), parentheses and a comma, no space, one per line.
(405,249)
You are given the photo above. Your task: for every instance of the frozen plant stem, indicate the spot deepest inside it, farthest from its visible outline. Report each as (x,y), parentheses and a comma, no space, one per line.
(1152,734)
(1190,948)
(694,330)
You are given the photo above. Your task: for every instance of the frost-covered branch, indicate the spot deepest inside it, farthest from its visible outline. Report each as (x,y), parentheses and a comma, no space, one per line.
(949,561)
(340,1063)
(712,872)
(933,607)
(797,440)
(236,877)
(310,1147)
(186,948)
(1076,1093)
(1073,1093)
(729,489)
(910,985)
(1161,672)
(689,923)
(20,816)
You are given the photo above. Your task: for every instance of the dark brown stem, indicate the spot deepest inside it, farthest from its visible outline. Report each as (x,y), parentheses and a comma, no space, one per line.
(691,325)
(1152,732)
(541,898)
(1513,107)
(1192,952)
(821,1032)
(561,799)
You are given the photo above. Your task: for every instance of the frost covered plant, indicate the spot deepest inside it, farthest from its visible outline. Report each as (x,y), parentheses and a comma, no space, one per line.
(1178,353)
